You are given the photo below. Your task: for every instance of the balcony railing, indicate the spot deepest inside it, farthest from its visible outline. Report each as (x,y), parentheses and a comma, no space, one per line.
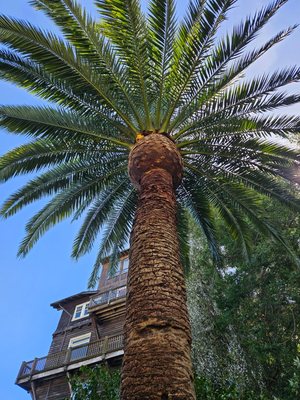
(107,297)
(71,355)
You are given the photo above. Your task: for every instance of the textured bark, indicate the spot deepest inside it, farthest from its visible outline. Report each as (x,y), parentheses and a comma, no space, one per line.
(157,362)
(155,151)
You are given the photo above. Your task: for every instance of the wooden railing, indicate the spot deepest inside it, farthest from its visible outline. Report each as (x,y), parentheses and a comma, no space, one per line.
(107,297)
(98,348)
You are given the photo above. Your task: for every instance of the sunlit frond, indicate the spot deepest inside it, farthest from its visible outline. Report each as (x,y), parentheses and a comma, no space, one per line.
(114,77)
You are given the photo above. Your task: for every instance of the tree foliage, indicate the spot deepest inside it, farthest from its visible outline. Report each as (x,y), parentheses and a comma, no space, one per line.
(111,80)
(94,383)
(254,308)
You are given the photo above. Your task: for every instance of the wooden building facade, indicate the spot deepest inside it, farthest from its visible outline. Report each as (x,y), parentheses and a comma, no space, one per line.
(89,331)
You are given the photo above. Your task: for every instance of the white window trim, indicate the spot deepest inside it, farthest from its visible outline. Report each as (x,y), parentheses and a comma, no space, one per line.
(82,315)
(81,337)
(125,271)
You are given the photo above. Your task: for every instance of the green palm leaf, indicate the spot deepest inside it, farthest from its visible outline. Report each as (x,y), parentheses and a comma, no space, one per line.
(84,34)
(125,25)
(193,42)
(183,236)
(115,79)
(54,124)
(61,178)
(213,67)
(97,216)
(116,232)
(57,56)
(162,24)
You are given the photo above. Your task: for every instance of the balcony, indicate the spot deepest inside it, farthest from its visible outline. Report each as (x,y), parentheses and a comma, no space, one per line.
(107,297)
(70,359)
(110,304)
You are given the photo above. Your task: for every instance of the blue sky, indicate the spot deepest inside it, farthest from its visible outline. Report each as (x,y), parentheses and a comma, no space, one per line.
(47,274)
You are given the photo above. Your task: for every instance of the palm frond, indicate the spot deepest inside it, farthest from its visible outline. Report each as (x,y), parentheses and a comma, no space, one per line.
(57,124)
(183,237)
(79,28)
(117,231)
(132,73)
(236,149)
(62,206)
(197,203)
(34,78)
(239,200)
(217,80)
(214,78)
(61,178)
(245,99)
(258,219)
(162,25)
(125,25)
(59,58)
(234,221)
(83,32)
(41,154)
(194,40)
(97,216)
(255,165)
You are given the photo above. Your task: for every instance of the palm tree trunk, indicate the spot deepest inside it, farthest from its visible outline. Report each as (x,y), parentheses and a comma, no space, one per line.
(157,362)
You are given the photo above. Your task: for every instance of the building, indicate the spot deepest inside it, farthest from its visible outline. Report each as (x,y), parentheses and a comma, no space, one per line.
(89,331)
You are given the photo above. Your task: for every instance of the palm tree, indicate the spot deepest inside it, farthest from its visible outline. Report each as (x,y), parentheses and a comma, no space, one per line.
(153,121)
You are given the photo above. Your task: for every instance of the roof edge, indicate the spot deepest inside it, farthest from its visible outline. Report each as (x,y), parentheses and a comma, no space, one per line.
(77,296)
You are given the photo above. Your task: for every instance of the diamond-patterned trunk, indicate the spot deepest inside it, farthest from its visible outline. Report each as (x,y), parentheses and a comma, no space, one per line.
(157,363)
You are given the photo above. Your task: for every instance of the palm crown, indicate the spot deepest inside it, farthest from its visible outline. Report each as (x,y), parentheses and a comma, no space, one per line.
(126,75)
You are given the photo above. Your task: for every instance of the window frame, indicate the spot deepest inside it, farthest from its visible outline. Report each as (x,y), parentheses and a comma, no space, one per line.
(126,270)
(80,337)
(120,270)
(83,311)
(120,289)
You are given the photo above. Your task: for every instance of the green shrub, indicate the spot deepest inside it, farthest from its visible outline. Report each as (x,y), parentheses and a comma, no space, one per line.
(94,383)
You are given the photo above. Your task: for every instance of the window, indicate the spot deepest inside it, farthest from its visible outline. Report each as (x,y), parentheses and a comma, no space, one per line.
(121,268)
(81,311)
(117,270)
(121,291)
(79,340)
(79,346)
(125,264)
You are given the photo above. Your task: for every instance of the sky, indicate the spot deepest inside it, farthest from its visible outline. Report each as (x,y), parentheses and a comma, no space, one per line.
(47,274)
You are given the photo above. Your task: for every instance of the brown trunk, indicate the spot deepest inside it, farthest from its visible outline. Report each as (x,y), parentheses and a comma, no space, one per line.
(157,363)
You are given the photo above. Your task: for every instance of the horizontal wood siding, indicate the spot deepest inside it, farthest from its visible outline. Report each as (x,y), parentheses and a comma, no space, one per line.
(54,389)
(61,341)
(106,283)
(66,328)
(57,388)
(67,314)
(64,321)
(112,327)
